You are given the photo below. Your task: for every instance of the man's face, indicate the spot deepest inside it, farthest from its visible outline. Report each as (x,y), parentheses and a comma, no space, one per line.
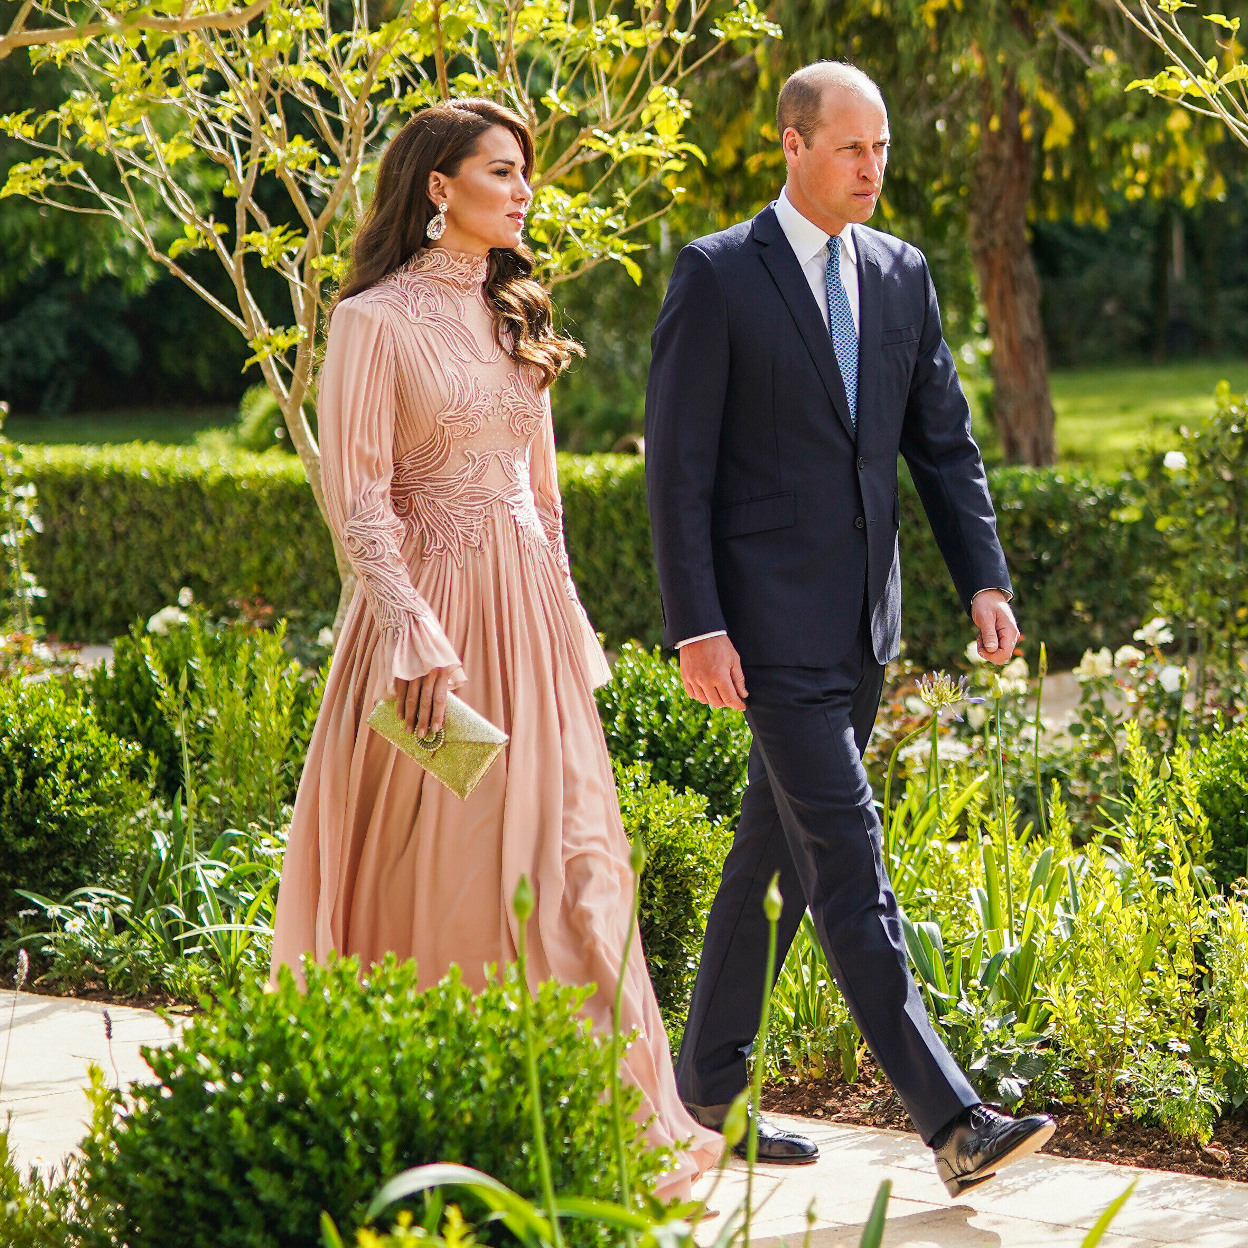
(841,173)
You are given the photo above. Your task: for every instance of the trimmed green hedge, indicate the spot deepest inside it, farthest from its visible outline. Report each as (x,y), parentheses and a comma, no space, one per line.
(126,527)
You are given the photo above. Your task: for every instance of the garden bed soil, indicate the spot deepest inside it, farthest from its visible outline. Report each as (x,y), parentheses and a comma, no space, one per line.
(102,995)
(871,1102)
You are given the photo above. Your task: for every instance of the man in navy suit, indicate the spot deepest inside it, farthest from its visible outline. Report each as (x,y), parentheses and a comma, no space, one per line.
(796,355)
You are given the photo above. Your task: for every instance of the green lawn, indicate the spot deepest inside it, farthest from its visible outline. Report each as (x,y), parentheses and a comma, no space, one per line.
(1103,414)
(175,428)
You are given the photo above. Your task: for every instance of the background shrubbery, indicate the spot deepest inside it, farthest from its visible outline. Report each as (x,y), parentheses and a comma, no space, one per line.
(146,521)
(684,856)
(67,796)
(648,717)
(250,710)
(1222,770)
(234,526)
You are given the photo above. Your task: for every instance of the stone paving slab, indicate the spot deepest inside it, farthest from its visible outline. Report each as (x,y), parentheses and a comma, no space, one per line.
(51,1044)
(1043,1202)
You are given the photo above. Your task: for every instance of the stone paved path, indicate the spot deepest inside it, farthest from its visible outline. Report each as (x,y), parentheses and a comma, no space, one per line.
(1041,1203)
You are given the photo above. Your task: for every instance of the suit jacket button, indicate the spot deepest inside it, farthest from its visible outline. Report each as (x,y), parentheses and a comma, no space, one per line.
(859,522)
(862,462)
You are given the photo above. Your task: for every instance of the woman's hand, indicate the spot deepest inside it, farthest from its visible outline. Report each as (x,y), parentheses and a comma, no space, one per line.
(421,703)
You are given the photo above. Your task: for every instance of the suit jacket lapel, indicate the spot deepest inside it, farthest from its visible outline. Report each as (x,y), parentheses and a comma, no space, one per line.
(782,264)
(870,291)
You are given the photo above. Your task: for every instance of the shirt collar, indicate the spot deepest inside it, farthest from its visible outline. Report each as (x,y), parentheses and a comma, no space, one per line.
(805,237)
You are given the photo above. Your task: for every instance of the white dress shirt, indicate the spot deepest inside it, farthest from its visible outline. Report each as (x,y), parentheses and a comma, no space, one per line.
(810,246)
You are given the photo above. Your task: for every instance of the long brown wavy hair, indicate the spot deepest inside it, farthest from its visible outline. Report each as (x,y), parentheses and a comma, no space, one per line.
(441,138)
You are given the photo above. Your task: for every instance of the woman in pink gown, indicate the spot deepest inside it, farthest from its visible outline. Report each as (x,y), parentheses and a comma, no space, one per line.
(438,460)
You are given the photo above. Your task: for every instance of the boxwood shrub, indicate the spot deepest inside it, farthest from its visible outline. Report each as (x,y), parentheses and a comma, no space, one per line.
(684,857)
(67,794)
(147,520)
(274,1106)
(648,718)
(125,527)
(1222,774)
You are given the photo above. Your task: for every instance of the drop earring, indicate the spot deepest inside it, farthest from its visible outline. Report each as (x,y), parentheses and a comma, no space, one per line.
(437,225)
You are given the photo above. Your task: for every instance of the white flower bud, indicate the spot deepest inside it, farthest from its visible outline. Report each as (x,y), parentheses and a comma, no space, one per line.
(1173,678)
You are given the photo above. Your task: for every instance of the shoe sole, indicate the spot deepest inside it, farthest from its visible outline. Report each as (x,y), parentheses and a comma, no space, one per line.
(780,1161)
(1038,1139)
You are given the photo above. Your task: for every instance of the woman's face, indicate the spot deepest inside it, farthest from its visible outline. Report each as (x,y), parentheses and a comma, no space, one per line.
(487,199)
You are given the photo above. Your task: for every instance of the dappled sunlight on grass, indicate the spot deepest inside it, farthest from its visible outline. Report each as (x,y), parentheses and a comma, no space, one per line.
(1105,414)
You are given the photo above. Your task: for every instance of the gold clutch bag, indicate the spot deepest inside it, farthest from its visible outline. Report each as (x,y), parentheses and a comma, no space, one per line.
(458,755)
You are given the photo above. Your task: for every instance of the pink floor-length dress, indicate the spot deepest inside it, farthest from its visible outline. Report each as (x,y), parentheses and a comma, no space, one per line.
(438,459)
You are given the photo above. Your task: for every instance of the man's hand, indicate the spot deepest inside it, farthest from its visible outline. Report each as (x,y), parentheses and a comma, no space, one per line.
(711,670)
(998,630)
(422,702)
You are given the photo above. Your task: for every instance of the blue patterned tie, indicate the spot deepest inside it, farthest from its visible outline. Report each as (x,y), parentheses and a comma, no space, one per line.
(841,327)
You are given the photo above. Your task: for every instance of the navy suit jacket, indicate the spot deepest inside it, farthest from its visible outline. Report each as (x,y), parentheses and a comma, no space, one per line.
(770,515)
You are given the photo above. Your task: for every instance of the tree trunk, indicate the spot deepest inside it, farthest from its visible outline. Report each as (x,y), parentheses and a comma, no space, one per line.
(1008,283)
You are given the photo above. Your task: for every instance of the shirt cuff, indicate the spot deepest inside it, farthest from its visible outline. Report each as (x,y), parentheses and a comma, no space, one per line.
(721,632)
(1009,593)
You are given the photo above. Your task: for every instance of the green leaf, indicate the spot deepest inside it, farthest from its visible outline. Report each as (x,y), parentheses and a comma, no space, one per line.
(873,1232)
(1093,1237)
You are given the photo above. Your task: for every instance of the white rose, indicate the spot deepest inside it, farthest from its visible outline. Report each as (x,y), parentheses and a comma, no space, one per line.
(185,597)
(325,638)
(1175,461)
(1095,663)
(1127,654)
(1155,633)
(1015,669)
(160,622)
(976,716)
(1173,678)
(973,654)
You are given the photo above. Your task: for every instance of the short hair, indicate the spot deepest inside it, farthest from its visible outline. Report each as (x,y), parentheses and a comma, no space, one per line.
(801,98)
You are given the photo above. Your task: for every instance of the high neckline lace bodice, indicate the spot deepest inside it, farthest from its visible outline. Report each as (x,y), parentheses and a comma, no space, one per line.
(460,269)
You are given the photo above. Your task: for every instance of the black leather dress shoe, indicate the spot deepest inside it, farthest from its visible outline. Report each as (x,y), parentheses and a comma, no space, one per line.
(972,1148)
(776,1147)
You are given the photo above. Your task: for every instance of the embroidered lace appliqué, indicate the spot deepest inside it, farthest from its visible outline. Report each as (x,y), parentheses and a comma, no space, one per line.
(445,488)
(374,542)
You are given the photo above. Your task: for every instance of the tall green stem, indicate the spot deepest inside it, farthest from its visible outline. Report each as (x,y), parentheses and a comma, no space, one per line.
(888,790)
(1043,671)
(522,903)
(1006,836)
(637,861)
(773,903)
(940,814)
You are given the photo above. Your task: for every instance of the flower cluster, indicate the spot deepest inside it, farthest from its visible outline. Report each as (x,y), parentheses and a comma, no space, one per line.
(171,616)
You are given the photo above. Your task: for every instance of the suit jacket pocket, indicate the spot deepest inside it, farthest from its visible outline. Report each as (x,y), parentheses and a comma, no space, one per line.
(904,333)
(754,515)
